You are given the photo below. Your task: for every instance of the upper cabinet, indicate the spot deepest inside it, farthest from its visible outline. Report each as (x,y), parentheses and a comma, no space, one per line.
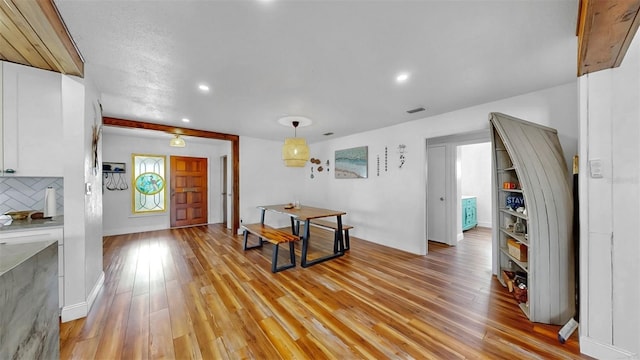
(32,136)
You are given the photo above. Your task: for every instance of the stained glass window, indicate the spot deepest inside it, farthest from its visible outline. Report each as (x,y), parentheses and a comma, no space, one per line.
(148,179)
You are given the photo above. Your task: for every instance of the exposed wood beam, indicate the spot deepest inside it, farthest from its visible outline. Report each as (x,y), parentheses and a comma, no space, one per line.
(235,152)
(111,121)
(605,31)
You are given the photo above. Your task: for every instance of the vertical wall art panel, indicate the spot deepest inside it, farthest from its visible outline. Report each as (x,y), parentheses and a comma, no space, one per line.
(351,163)
(148,180)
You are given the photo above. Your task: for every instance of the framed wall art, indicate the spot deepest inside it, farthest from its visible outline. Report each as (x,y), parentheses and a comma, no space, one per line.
(351,163)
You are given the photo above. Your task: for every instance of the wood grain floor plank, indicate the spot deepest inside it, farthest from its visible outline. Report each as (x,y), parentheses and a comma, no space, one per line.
(160,337)
(193,293)
(136,340)
(113,335)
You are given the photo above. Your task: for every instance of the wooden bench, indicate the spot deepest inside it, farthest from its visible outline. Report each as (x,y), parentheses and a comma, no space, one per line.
(274,236)
(332,225)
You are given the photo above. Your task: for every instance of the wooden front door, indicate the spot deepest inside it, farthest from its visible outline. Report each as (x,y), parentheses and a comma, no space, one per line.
(188,191)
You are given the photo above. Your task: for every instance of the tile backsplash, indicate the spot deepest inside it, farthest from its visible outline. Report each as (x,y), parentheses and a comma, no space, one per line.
(27,193)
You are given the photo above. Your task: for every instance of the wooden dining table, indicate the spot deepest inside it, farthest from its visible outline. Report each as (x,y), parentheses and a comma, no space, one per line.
(306,214)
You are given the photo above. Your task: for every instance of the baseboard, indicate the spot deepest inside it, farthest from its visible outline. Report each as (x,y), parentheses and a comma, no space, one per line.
(81,309)
(484,224)
(598,350)
(460,236)
(73,312)
(94,292)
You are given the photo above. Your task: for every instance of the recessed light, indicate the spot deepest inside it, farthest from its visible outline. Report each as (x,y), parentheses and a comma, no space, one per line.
(203,88)
(402,77)
(185,120)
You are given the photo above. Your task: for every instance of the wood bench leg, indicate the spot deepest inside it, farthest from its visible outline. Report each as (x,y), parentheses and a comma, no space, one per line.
(336,241)
(347,246)
(246,247)
(274,260)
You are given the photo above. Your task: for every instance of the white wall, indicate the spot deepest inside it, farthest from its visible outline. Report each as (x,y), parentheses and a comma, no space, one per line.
(117,214)
(476,178)
(83,274)
(264,180)
(389,209)
(94,275)
(610,250)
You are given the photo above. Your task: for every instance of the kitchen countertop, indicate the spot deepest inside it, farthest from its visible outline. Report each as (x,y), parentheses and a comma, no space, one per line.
(12,255)
(18,225)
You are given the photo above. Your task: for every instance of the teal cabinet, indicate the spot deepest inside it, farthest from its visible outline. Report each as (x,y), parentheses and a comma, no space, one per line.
(469,214)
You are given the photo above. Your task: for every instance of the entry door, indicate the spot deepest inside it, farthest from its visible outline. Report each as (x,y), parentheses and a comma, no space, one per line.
(188,191)
(436,190)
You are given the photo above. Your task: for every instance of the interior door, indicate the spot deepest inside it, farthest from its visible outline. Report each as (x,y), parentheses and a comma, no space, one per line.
(436,190)
(189,191)
(223,180)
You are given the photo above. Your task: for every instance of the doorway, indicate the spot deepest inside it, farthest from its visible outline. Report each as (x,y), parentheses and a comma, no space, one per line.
(189,191)
(475,186)
(444,202)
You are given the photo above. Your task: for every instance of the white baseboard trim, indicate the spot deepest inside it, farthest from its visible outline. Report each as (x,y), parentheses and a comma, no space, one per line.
(94,292)
(460,236)
(598,350)
(484,224)
(81,309)
(73,312)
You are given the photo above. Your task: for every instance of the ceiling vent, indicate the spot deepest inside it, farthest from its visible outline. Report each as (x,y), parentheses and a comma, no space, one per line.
(413,111)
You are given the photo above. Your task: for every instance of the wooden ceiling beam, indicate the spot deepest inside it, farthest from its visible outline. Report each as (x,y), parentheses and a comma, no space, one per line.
(132,124)
(605,31)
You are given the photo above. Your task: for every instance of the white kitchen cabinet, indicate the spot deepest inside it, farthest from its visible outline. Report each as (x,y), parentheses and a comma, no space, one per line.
(32,136)
(41,234)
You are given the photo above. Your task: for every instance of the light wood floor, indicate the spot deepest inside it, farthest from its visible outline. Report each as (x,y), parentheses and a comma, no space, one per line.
(193,293)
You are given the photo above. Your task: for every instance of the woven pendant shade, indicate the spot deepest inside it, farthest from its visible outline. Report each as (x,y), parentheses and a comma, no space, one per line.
(295,152)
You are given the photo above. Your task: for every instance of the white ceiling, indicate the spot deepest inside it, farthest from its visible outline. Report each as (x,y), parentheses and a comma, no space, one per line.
(332,61)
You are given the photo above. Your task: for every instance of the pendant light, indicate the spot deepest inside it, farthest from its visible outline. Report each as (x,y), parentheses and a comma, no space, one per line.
(177,141)
(295,151)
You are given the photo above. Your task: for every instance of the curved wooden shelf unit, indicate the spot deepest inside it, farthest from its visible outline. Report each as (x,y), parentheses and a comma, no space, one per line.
(541,169)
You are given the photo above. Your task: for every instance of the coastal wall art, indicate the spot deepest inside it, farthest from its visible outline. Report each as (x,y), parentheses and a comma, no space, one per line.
(351,163)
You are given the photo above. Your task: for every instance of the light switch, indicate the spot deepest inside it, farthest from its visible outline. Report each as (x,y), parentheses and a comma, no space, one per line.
(595,168)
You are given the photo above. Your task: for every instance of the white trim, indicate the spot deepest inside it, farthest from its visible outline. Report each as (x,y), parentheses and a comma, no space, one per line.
(94,292)
(81,309)
(73,312)
(598,350)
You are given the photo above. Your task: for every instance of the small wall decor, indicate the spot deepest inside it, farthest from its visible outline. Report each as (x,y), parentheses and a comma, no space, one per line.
(327,163)
(402,149)
(351,163)
(386,159)
(312,176)
(378,166)
(148,179)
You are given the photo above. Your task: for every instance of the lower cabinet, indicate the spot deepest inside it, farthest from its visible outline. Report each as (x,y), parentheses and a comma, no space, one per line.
(469,212)
(41,234)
